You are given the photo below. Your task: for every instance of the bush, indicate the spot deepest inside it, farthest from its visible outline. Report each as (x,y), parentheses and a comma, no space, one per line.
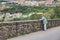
(57,11)
(35,16)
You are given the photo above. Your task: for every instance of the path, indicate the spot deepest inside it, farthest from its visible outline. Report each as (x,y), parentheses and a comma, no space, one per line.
(50,34)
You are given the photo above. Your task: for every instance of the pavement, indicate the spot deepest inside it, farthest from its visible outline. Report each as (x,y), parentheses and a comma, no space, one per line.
(49,34)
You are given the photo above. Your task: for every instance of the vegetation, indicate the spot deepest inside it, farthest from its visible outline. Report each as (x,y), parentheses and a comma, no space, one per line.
(57,12)
(25,9)
(50,12)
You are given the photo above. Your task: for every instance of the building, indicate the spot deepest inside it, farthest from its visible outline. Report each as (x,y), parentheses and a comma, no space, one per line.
(33,2)
(39,2)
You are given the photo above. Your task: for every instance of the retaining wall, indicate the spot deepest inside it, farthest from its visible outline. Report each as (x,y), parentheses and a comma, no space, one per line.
(13,29)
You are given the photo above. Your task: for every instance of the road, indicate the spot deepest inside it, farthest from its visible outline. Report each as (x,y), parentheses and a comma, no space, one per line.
(50,34)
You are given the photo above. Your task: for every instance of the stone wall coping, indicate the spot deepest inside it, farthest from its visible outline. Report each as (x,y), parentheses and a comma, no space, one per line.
(25,21)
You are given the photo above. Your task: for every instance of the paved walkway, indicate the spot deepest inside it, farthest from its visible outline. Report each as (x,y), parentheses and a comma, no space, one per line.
(50,34)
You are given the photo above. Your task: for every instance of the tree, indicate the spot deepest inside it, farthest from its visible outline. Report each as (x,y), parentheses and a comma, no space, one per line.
(57,12)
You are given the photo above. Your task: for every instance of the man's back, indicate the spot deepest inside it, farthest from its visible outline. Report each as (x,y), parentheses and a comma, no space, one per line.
(44,20)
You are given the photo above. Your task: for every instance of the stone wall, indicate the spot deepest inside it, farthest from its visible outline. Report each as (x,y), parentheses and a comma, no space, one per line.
(13,29)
